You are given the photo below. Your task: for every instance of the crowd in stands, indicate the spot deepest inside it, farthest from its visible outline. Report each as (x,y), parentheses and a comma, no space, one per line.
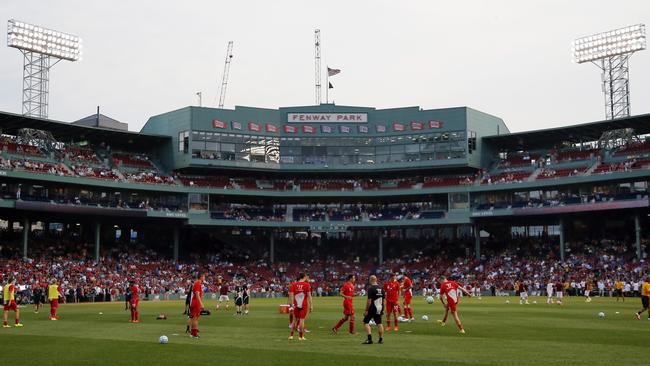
(532,260)
(559,199)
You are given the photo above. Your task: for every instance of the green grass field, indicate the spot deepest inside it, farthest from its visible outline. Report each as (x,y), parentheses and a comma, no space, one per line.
(497,334)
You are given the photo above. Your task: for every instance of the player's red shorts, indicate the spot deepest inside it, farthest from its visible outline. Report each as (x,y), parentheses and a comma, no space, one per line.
(451,305)
(348,308)
(134,303)
(391,307)
(300,313)
(195,311)
(11,306)
(54,303)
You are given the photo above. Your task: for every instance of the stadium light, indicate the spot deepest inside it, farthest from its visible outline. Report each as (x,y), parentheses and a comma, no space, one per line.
(39,45)
(610,51)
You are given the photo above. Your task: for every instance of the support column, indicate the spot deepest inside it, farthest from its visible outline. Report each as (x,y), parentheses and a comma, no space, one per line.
(637,231)
(477,242)
(26,229)
(176,242)
(381,247)
(562,244)
(98,237)
(272,248)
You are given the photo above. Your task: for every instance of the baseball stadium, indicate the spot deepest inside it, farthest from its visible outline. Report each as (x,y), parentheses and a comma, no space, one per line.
(221,232)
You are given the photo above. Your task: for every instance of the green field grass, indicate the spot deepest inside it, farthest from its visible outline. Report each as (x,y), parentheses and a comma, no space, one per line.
(497,334)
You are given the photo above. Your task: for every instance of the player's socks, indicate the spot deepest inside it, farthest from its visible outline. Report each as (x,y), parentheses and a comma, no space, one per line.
(396,322)
(137,316)
(381,341)
(351,326)
(369,340)
(339,323)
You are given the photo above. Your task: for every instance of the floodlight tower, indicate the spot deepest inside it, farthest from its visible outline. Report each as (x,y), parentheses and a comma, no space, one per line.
(611,51)
(224,78)
(317,66)
(42,48)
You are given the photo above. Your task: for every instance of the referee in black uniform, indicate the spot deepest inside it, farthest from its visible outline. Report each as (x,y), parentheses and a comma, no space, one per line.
(374,310)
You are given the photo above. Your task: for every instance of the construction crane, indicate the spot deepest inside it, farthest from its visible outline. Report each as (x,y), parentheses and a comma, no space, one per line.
(317,59)
(224,79)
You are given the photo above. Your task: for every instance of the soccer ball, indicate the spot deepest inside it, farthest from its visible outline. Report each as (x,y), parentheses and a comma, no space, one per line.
(425,318)
(163,339)
(372,322)
(401,319)
(601,315)
(535,302)
(429,299)
(507,301)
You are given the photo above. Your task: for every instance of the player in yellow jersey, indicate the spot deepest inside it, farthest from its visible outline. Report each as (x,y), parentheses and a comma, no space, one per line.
(53,297)
(9,296)
(645,298)
(618,290)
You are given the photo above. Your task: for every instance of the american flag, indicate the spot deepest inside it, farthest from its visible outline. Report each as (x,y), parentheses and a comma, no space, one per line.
(308,129)
(381,128)
(236,125)
(363,129)
(345,129)
(398,127)
(415,125)
(290,129)
(271,128)
(253,127)
(218,124)
(332,72)
(326,129)
(435,124)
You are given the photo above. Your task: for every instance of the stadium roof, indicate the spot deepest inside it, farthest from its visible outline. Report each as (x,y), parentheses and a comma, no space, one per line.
(10,123)
(575,133)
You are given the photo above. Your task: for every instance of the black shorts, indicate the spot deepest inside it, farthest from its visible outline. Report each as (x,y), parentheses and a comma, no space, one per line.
(37,299)
(372,316)
(246,299)
(618,292)
(645,300)
(239,301)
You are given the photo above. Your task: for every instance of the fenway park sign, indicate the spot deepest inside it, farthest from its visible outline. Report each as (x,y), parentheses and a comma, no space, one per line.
(328,117)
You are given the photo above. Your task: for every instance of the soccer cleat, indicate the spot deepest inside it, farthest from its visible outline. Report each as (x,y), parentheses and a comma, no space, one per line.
(442,324)
(335,331)
(637,316)
(194,337)
(302,339)
(54,318)
(388,328)
(381,341)
(291,338)
(19,325)
(187,330)
(367,342)
(135,321)
(396,329)
(462,331)
(6,326)
(307,330)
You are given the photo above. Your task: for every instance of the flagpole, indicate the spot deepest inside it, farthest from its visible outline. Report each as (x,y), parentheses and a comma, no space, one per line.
(327,85)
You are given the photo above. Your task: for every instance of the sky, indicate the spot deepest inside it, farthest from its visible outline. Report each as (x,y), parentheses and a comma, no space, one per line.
(507,58)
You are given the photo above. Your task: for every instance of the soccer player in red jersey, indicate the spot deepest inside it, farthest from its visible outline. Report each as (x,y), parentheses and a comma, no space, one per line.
(196,304)
(347,291)
(135,300)
(391,291)
(9,296)
(301,302)
(449,300)
(407,291)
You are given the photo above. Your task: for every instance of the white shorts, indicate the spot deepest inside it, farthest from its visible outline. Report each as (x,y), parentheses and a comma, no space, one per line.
(587,293)
(224,298)
(559,294)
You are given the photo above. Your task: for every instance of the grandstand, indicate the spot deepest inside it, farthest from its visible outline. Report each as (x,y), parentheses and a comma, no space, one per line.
(327,172)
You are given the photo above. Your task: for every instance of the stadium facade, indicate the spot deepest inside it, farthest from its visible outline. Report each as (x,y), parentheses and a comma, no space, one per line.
(325,170)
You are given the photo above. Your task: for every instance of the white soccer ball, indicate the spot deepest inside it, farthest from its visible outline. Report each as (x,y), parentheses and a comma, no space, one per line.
(401,319)
(507,301)
(425,318)
(535,302)
(429,299)
(601,315)
(372,322)
(163,339)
